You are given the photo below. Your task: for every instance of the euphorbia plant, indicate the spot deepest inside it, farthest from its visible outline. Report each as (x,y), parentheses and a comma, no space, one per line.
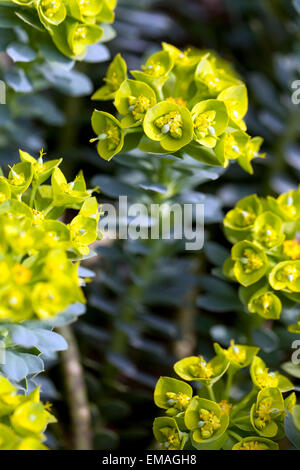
(213,418)
(181,115)
(23,418)
(42,43)
(265,257)
(40,278)
(73,24)
(185,103)
(178,122)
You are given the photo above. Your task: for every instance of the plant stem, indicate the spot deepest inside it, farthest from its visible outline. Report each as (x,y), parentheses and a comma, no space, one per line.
(186,317)
(228,386)
(211,392)
(235,435)
(32,195)
(243,402)
(49,209)
(144,272)
(76,392)
(185,346)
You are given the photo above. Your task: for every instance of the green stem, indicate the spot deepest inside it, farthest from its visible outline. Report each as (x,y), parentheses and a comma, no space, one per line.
(160,93)
(144,272)
(228,385)
(32,195)
(49,208)
(235,435)
(244,402)
(211,392)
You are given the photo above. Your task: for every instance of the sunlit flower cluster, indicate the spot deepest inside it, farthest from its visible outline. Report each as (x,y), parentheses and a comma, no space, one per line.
(265,258)
(190,102)
(72,24)
(212,419)
(23,418)
(38,253)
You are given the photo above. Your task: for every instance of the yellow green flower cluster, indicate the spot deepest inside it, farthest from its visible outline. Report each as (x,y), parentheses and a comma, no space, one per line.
(23,418)
(39,278)
(190,102)
(265,257)
(212,419)
(72,24)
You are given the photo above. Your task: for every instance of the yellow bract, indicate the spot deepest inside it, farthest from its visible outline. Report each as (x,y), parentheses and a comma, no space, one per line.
(23,418)
(38,277)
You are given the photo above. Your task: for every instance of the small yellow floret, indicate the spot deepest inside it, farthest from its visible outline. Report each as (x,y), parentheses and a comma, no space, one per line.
(209,423)
(172,441)
(251,261)
(138,106)
(180,101)
(291,248)
(51,7)
(225,407)
(265,378)
(178,400)
(253,445)
(202,369)
(21,274)
(236,353)
(171,123)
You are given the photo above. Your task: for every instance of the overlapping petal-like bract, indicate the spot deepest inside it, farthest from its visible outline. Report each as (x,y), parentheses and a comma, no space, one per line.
(23,418)
(73,24)
(213,418)
(38,253)
(189,102)
(265,257)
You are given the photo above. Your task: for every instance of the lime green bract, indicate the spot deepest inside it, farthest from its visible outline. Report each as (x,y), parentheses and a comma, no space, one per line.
(23,418)
(73,24)
(265,257)
(213,418)
(39,277)
(189,102)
